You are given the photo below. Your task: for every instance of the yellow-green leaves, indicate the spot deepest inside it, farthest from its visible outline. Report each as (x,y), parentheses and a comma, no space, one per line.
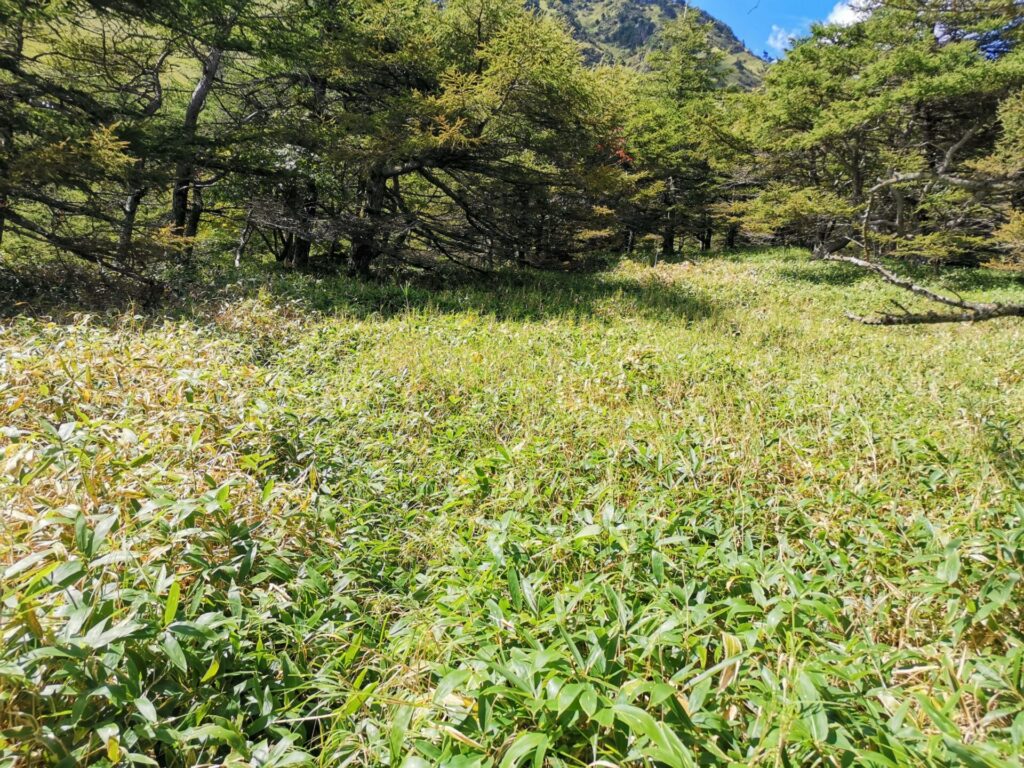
(681,516)
(171,606)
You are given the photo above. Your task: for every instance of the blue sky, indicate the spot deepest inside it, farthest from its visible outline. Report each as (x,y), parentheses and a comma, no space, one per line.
(765,25)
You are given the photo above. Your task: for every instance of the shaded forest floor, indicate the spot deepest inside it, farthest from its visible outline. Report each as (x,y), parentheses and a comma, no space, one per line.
(688,514)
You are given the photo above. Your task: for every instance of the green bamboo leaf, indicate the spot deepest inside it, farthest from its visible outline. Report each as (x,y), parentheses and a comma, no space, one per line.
(812,708)
(525,744)
(668,748)
(171,606)
(174,653)
(146,709)
(211,671)
(949,570)
(515,592)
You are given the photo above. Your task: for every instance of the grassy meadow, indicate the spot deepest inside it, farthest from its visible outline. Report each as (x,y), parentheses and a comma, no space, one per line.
(680,516)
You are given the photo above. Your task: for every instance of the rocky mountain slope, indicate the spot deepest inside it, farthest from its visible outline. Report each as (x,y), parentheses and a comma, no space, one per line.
(621,31)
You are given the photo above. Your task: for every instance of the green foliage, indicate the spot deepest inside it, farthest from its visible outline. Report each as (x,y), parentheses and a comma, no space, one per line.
(676,145)
(905,124)
(333,134)
(680,517)
(1012,234)
(779,208)
(1009,155)
(373,128)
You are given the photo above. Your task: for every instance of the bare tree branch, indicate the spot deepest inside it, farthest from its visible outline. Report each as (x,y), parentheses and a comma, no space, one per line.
(968,311)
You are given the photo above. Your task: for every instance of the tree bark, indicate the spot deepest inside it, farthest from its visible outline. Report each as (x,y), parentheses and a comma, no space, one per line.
(284,256)
(668,240)
(185,171)
(195,211)
(303,240)
(243,240)
(366,238)
(730,236)
(332,252)
(668,235)
(192,224)
(300,254)
(706,235)
(6,146)
(130,209)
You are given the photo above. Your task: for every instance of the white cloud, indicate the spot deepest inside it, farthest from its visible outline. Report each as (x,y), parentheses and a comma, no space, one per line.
(781,38)
(844,14)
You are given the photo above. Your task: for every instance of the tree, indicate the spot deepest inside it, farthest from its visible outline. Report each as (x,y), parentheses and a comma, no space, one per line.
(83,88)
(425,129)
(893,137)
(399,128)
(674,138)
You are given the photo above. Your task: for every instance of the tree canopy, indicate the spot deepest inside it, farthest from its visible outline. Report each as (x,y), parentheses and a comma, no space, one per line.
(357,133)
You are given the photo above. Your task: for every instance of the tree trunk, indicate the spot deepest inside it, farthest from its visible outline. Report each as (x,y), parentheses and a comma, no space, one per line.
(185,170)
(131,209)
(6,146)
(730,236)
(192,225)
(363,254)
(300,255)
(243,240)
(706,239)
(668,235)
(366,238)
(668,240)
(857,173)
(332,252)
(821,237)
(303,239)
(284,256)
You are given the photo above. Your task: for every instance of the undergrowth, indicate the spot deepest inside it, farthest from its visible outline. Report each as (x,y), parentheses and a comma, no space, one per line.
(682,516)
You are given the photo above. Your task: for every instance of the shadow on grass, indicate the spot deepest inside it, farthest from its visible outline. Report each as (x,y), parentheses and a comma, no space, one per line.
(57,288)
(957,279)
(516,296)
(527,295)
(984,279)
(834,275)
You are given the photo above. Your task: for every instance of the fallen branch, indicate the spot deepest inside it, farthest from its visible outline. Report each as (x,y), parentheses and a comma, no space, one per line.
(968,311)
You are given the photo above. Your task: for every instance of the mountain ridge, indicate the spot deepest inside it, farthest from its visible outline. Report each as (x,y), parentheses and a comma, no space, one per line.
(622,32)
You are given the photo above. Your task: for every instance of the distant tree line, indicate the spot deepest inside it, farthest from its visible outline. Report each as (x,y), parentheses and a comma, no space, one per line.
(148,138)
